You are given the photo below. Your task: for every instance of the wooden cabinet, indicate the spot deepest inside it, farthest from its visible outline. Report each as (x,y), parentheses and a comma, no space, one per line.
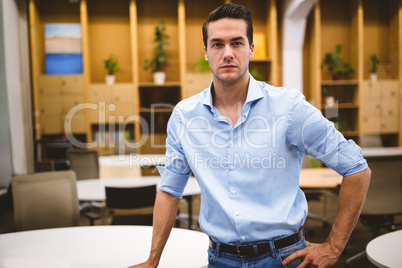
(58,95)
(379,107)
(111,119)
(362,28)
(114,102)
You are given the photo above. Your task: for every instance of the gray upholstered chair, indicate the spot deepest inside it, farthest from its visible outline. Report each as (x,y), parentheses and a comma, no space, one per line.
(45,200)
(85,163)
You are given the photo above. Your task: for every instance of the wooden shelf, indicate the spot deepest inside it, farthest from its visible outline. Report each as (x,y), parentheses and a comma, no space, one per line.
(354,25)
(166,84)
(339,82)
(266,59)
(341,106)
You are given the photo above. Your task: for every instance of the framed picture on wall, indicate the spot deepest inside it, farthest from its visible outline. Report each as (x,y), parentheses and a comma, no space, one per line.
(63,48)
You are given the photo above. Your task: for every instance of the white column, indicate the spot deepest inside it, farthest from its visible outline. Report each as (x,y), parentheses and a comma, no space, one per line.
(294,19)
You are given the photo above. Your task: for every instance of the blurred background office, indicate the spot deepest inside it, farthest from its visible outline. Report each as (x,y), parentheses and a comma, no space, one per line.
(78,75)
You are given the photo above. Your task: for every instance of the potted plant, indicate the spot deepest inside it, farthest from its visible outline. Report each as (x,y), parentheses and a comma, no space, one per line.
(335,63)
(111,66)
(160,53)
(328,96)
(374,62)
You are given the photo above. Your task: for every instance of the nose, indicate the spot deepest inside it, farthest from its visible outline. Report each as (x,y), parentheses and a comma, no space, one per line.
(228,53)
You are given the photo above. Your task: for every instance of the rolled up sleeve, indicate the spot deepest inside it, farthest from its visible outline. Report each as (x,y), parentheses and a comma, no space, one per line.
(315,135)
(176,171)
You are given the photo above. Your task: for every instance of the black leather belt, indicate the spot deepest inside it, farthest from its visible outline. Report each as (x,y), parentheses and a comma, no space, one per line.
(258,249)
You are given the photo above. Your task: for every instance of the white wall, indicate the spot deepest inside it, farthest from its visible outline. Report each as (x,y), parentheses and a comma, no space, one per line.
(17,84)
(294,27)
(5,148)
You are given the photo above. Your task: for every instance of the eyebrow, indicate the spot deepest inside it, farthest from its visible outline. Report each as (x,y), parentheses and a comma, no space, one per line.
(233,39)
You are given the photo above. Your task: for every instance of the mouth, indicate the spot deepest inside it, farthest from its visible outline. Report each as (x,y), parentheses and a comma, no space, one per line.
(228,67)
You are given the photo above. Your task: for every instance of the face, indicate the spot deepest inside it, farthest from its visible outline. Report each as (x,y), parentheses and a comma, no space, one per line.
(228,50)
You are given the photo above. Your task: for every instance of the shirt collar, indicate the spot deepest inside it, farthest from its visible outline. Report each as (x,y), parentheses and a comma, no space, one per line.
(254,92)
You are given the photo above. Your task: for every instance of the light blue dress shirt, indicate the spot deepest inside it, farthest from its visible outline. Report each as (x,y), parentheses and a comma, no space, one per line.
(249,173)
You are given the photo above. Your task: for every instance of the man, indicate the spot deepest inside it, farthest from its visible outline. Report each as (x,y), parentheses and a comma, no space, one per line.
(244,141)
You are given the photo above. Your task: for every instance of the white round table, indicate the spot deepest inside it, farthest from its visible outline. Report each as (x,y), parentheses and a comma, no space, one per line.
(129,165)
(140,160)
(385,250)
(100,247)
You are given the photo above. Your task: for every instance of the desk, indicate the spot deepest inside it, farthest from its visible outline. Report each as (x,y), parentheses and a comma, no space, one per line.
(128,165)
(319,178)
(99,246)
(385,250)
(381,152)
(141,160)
(94,189)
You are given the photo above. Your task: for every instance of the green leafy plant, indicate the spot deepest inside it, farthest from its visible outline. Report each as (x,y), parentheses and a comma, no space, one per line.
(335,65)
(326,91)
(256,74)
(111,64)
(200,65)
(374,62)
(348,70)
(160,53)
(340,123)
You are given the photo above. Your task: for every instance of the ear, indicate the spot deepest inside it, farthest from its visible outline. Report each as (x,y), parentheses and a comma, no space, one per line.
(252,50)
(205,53)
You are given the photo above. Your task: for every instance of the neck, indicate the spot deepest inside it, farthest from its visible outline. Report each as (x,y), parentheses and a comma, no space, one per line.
(230,95)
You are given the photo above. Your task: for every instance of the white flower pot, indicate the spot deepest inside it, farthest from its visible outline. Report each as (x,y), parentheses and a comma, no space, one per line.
(373,77)
(329,101)
(110,79)
(159,78)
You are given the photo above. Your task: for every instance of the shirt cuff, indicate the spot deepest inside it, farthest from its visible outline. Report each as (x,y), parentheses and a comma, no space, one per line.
(348,159)
(172,183)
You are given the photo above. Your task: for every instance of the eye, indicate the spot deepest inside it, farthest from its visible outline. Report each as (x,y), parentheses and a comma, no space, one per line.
(217,45)
(236,44)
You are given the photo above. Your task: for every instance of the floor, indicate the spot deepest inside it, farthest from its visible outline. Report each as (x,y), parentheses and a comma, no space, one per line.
(315,232)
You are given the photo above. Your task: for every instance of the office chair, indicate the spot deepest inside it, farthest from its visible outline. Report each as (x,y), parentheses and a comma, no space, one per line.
(85,163)
(44,165)
(45,200)
(126,198)
(384,198)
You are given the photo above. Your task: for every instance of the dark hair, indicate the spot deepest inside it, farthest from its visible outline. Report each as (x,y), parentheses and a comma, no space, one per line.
(233,11)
